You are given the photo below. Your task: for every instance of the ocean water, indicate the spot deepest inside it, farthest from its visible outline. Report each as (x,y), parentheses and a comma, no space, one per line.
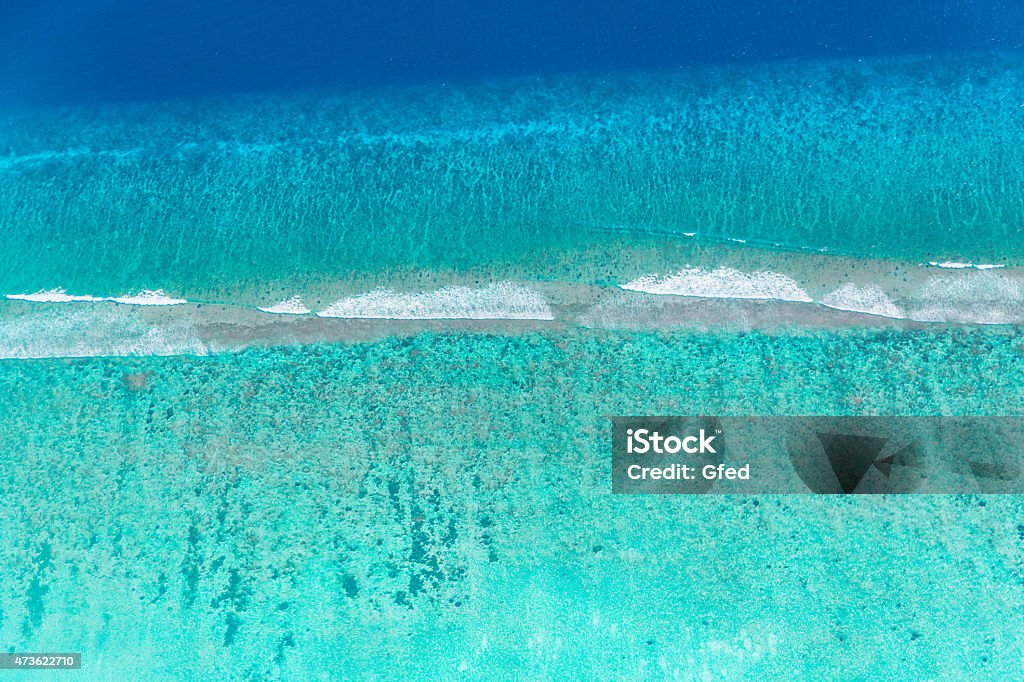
(914,159)
(311,323)
(439,506)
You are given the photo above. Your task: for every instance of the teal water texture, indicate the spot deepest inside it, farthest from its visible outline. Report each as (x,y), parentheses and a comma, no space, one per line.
(439,507)
(911,159)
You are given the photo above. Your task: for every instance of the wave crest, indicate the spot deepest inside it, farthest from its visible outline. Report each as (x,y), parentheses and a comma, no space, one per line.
(290,306)
(868,298)
(722,282)
(497,301)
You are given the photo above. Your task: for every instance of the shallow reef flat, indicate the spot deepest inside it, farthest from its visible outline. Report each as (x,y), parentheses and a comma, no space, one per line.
(382,507)
(653,284)
(911,159)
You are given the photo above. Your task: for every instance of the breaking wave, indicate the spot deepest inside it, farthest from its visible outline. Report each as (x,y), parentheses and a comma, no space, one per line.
(146,297)
(722,282)
(498,301)
(291,306)
(869,299)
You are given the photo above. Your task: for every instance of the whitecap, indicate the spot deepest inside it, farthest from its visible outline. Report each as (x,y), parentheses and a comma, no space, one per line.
(291,306)
(722,283)
(869,299)
(955,265)
(497,301)
(148,297)
(52,296)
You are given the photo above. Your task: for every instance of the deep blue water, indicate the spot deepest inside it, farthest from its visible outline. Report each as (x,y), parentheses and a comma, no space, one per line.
(73,51)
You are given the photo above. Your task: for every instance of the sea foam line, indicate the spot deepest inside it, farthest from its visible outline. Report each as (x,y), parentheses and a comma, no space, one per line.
(147,297)
(497,301)
(291,306)
(954,265)
(868,299)
(722,282)
(52,296)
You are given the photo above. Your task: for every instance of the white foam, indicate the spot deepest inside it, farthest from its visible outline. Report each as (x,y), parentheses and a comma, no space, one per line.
(291,306)
(497,301)
(148,297)
(954,265)
(93,331)
(977,298)
(60,295)
(868,298)
(51,296)
(722,283)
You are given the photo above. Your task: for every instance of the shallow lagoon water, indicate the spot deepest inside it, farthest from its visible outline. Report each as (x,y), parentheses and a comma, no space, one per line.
(439,505)
(212,497)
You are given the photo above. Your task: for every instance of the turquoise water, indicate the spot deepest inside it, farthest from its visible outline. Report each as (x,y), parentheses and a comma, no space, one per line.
(911,159)
(335,501)
(439,506)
